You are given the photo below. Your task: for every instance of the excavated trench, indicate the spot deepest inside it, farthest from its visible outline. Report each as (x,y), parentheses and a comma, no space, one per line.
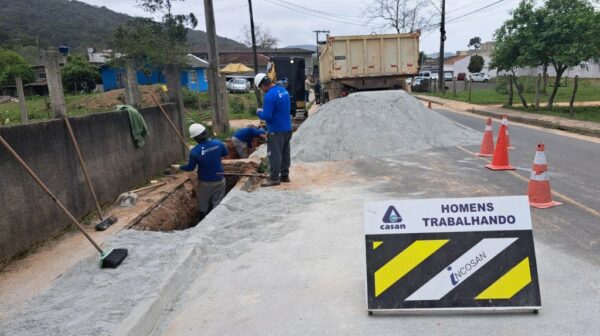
(179,209)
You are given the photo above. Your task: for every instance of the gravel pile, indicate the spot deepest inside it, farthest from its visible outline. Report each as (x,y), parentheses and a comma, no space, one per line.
(374,125)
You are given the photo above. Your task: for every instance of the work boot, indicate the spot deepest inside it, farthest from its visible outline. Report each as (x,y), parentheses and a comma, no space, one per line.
(285,179)
(269,183)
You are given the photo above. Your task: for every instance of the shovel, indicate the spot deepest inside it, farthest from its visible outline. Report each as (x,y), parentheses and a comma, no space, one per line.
(110,259)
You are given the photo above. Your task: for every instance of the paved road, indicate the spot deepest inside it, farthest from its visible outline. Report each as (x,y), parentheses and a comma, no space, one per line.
(574,172)
(574,164)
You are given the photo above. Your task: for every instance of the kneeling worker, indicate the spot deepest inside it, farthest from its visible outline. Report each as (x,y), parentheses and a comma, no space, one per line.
(207,156)
(243,137)
(276,112)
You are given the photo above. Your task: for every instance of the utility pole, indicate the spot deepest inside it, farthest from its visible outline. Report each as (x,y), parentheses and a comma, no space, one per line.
(219,121)
(254,53)
(441,80)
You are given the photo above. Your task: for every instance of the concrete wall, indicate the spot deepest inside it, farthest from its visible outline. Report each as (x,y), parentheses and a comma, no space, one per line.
(29,217)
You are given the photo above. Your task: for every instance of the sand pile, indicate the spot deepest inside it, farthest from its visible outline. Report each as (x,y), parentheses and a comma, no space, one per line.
(373,125)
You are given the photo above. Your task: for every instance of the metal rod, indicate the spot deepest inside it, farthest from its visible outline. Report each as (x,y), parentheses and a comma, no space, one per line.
(148,187)
(45,188)
(83,167)
(170,122)
(241,174)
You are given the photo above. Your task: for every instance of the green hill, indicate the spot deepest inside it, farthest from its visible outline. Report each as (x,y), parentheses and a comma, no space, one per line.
(26,24)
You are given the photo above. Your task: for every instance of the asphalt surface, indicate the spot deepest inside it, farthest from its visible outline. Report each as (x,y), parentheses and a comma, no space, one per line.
(574,170)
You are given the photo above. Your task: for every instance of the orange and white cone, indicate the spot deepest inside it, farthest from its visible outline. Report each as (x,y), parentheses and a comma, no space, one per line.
(538,189)
(505,122)
(500,160)
(487,144)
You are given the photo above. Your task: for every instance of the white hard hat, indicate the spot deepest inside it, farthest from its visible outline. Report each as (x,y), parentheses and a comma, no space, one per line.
(258,78)
(196,129)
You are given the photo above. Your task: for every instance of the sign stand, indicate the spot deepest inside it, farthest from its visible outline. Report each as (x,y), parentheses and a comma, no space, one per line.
(463,254)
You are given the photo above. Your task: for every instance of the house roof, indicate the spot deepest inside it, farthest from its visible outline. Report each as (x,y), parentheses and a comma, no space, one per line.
(454,59)
(243,58)
(195,61)
(274,51)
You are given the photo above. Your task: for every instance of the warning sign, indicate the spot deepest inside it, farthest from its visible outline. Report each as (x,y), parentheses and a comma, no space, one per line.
(442,254)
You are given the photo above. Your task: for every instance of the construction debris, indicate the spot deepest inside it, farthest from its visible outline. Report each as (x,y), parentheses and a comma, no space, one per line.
(373,125)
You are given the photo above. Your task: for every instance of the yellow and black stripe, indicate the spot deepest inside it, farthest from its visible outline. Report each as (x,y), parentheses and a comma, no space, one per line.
(404,271)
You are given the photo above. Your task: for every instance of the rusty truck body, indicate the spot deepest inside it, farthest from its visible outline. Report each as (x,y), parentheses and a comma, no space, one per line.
(367,62)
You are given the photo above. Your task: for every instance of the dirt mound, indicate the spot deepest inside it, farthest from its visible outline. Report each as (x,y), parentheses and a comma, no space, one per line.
(108,101)
(373,125)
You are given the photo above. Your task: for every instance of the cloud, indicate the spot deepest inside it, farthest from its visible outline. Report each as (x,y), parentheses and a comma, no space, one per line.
(293,25)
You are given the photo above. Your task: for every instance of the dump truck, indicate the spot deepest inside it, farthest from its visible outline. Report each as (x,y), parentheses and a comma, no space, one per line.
(367,62)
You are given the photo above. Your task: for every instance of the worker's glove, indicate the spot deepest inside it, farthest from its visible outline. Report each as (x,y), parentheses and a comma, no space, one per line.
(259,110)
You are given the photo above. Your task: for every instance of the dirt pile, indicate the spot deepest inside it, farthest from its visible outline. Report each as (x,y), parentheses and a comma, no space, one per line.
(374,125)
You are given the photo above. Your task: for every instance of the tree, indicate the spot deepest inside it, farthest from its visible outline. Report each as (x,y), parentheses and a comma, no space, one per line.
(404,16)
(79,75)
(569,31)
(153,43)
(561,33)
(476,64)
(13,65)
(475,42)
(264,39)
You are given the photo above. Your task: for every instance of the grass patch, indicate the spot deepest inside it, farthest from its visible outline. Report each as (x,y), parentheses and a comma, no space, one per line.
(491,97)
(585,113)
(241,106)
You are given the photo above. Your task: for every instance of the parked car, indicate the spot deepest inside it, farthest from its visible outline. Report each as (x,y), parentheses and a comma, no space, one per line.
(238,85)
(448,75)
(425,74)
(479,77)
(420,84)
(461,76)
(409,80)
(435,76)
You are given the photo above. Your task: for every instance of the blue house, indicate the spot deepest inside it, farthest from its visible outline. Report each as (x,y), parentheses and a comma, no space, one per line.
(193,76)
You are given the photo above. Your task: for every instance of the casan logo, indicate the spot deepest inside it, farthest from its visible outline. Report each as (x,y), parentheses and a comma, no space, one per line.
(393,219)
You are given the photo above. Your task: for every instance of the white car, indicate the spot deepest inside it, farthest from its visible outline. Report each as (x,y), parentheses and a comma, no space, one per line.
(240,85)
(479,77)
(435,76)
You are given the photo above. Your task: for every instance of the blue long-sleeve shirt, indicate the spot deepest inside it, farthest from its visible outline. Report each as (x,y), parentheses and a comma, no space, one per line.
(207,156)
(276,110)
(248,134)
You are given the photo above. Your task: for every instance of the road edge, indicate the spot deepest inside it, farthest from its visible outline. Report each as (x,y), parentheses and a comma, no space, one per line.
(519,118)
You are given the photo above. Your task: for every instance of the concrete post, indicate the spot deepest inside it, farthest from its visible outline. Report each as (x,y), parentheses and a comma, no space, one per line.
(454,86)
(538,83)
(132,92)
(224,106)
(21,94)
(173,76)
(50,60)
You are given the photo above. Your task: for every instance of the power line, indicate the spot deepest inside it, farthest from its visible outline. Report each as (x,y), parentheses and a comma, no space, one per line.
(312,10)
(313,13)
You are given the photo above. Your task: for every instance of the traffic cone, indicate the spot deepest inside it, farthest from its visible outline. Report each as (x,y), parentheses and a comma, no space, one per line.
(487,144)
(538,188)
(500,159)
(429,105)
(505,122)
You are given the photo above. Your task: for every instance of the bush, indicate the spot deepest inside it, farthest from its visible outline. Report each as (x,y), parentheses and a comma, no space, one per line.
(195,100)
(502,85)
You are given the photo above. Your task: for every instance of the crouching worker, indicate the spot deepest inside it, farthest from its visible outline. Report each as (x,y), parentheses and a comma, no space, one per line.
(207,155)
(243,137)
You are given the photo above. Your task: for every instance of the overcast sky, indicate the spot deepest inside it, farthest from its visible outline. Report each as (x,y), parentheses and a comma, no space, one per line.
(294,25)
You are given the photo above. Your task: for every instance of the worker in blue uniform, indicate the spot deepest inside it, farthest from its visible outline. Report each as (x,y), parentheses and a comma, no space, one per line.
(276,113)
(207,156)
(243,137)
